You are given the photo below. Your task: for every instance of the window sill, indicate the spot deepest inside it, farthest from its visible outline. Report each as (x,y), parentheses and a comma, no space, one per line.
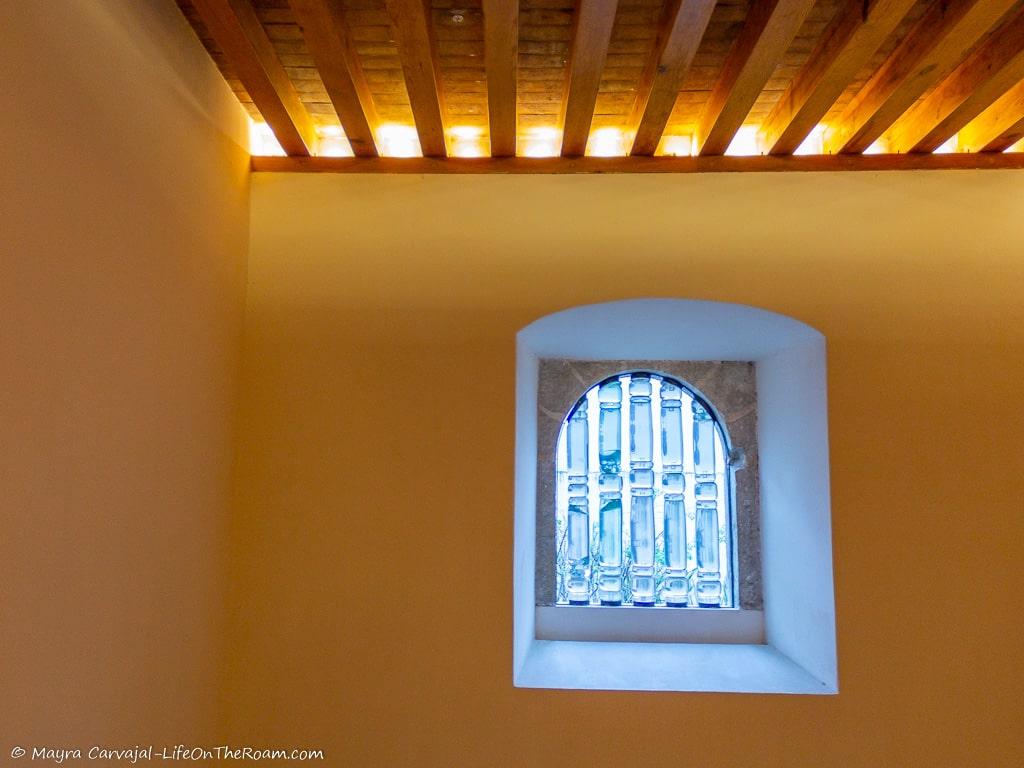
(734,668)
(649,625)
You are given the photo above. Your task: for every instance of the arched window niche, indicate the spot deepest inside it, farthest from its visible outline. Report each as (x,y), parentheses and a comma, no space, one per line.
(765,623)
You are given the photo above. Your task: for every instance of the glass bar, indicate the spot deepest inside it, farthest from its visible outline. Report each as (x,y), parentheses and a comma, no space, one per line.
(675,588)
(641,479)
(577,444)
(609,586)
(709,578)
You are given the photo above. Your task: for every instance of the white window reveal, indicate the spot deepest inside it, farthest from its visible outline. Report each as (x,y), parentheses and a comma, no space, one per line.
(643,521)
(672,516)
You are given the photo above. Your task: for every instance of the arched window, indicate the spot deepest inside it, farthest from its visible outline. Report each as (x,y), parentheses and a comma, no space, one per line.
(643,497)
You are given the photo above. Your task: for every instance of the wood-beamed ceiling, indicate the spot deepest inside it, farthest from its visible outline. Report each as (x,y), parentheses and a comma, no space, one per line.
(623,78)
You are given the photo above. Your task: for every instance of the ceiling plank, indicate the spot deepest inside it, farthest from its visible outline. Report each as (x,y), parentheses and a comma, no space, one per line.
(989,72)
(998,127)
(929,52)
(847,45)
(417,50)
(592,32)
(682,29)
(768,31)
(660,164)
(327,39)
(501,60)
(237,30)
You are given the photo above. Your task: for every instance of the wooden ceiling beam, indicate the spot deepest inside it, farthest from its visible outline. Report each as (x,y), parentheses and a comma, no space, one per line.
(237,30)
(417,50)
(1007,139)
(661,164)
(997,128)
(768,31)
(929,52)
(682,29)
(592,33)
(989,72)
(501,61)
(327,39)
(847,45)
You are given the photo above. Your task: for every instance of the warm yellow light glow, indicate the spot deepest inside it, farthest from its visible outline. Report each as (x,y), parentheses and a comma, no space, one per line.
(466,132)
(331,142)
(607,142)
(947,147)
(466,141)
(541,142)
(334,146)
(676,146)
(1018,147)
(814,144)
(396,140)
(262,141)
(744,142)
(467,149)
(878,148)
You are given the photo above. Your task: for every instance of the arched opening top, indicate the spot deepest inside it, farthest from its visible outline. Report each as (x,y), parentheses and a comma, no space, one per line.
(664,329)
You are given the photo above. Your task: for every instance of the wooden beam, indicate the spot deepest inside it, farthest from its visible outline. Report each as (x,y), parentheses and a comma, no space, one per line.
(770,27)
(847,45)
(501,60)
(989,72)
(682,29)
(327,39)
(592,32)
(998,127)
(239,34)
(711,164)
(1007,138)
(932,48)
(417,50)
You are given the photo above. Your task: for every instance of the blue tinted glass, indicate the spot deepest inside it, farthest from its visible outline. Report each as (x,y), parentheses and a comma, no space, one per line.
(642,498)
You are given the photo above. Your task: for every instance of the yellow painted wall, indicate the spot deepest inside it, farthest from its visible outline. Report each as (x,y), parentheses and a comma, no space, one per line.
(123,239)
(370,611)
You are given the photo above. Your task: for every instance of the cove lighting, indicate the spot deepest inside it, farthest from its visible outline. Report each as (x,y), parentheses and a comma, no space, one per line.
(814,144)
(607,142)
(947,147)
(262,141)
(744,143)
(466,141)
(879,147)
(397,140)
(542,142)
(677,146)
(966,141)
(334,146)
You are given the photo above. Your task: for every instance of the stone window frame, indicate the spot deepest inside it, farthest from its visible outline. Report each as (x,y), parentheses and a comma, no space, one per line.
(728,387)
